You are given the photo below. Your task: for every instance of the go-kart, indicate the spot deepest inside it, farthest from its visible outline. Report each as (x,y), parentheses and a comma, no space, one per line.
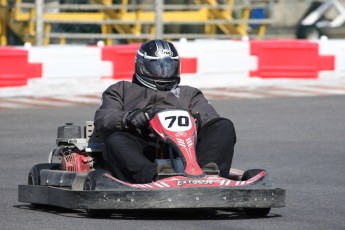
(79,180)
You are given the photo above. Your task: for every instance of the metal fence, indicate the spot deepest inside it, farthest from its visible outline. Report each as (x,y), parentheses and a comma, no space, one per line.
(130,21)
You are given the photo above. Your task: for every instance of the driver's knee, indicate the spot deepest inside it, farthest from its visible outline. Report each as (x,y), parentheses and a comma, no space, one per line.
(227,127)
(114,145)
(219,127)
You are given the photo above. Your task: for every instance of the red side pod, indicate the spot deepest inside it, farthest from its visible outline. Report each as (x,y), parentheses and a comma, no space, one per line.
(289,59)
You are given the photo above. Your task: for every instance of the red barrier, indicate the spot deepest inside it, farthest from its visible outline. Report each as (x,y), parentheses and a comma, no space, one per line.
(122,57)
(189,65)
(289,59)
(15,69)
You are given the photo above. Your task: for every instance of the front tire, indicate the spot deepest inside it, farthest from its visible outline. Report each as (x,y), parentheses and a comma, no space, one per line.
(254,212)
(90,185)
(257,212)
(34,177)
(250,174)
(34,174)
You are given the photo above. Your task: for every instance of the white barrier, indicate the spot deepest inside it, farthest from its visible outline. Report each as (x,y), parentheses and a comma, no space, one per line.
(336,48)
(219,63)
(68,62)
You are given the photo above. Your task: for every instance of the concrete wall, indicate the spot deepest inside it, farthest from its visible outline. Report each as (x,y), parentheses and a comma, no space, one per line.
(288,12)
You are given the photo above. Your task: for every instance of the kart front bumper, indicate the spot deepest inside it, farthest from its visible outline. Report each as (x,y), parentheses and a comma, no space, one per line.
(129,198)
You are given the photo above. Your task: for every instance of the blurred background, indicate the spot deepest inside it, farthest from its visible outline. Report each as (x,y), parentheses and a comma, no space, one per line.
(44,22)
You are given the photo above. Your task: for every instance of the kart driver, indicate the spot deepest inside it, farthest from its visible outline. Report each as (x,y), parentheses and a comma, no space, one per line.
(123,116)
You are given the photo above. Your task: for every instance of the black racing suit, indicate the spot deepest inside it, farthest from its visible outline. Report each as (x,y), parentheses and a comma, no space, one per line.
(127,152)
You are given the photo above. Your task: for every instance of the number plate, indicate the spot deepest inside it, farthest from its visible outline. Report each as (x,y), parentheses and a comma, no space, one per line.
(175,120)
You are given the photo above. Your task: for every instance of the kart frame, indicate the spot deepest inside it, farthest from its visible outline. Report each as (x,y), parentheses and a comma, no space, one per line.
(121,199)
(65,189)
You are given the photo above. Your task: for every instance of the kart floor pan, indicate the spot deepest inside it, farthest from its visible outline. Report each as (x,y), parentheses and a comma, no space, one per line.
(153,199)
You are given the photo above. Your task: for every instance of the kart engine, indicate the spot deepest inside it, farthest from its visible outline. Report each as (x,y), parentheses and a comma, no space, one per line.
(76,163)
(71,159)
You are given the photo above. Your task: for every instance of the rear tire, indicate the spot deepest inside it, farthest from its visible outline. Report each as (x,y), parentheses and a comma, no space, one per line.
(254,212)
(90,185)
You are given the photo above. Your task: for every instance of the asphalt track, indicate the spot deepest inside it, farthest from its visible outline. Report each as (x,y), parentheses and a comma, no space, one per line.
(300,141)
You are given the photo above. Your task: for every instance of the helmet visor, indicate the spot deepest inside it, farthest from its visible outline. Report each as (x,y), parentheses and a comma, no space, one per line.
(167,67)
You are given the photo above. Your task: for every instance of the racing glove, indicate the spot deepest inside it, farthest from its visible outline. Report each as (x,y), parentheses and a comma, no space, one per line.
(138,119)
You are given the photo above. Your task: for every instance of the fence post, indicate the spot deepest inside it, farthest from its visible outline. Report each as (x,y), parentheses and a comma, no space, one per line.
(39,22)
(158,19)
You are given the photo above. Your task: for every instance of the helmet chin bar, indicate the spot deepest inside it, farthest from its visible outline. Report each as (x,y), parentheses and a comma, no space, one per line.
(158,84)
(145,83)
(166,85)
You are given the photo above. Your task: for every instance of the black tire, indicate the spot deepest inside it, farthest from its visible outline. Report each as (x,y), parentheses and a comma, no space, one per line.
(254,212)
(257,212)
(34,174)
(308,32)
(34,178)
(90,185)
(250,173)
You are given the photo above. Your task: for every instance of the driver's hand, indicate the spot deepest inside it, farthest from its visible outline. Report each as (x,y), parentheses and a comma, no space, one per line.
(138,119)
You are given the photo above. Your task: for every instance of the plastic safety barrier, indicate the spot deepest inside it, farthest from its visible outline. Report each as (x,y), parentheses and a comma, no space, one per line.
(289,59)
(204,63)
(15,69)
(70,62)
(122,58)
(335,48)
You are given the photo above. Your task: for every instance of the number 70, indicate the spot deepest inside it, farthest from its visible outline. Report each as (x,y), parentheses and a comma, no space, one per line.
(181,120)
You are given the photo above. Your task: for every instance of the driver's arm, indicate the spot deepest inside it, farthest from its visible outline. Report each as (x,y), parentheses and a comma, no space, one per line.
(109,116)
(199,104)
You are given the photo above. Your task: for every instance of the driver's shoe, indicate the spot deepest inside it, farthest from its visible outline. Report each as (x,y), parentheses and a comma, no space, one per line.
(211,168)
(165,169)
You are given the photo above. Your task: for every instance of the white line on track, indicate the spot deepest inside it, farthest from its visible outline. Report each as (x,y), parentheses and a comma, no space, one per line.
(18,103)
(220,93)
(289,92)
(81,99)
(320,90)
(229,93)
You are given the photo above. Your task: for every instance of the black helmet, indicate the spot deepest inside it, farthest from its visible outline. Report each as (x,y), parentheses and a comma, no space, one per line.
(157,65)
